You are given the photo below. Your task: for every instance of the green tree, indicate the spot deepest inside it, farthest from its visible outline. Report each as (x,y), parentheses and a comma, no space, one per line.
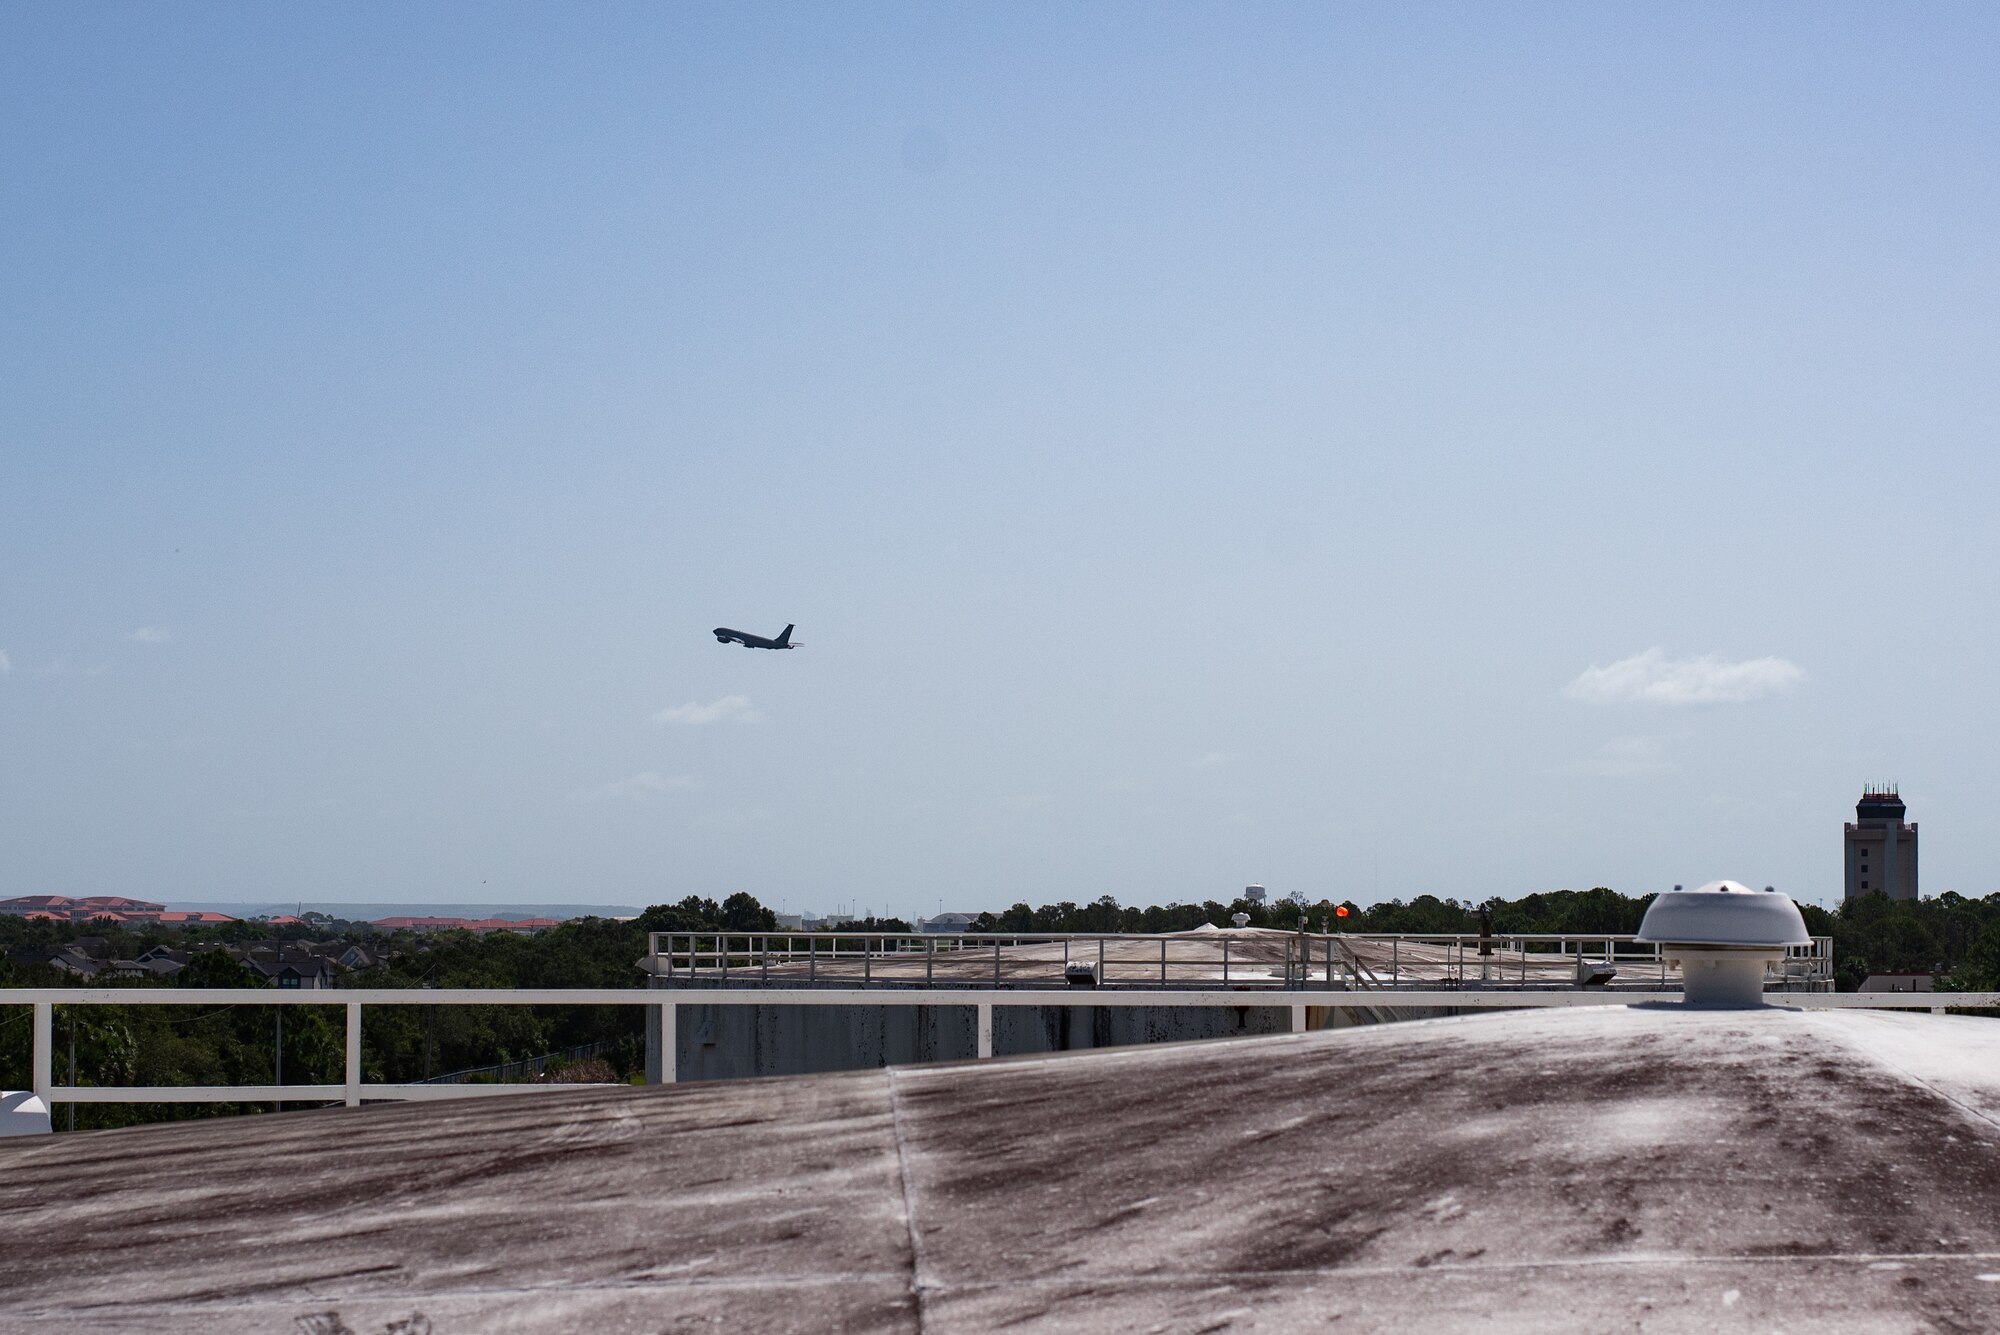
(218,968)
(742,913)
(1979,969)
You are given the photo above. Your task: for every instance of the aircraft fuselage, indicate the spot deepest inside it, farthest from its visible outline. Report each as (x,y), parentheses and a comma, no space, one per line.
(724,635)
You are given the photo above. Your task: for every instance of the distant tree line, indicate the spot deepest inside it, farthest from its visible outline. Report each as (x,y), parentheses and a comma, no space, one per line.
(1598,910)
(1950,935)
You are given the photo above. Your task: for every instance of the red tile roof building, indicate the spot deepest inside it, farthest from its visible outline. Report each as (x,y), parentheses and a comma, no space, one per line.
(111,908)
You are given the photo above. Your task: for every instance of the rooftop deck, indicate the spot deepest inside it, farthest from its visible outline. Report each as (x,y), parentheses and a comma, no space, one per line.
(1234,958)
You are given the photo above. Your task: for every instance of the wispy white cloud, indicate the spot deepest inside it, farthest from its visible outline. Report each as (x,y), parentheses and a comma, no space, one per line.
(152,635)
(638,788)
(729,709)
(1652,678)
(1213,760)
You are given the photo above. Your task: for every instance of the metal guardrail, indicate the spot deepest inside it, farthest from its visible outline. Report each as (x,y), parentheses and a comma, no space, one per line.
(353,1091)
(1262,959)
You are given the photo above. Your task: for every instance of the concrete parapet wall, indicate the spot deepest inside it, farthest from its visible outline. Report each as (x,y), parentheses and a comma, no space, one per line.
(732,1042)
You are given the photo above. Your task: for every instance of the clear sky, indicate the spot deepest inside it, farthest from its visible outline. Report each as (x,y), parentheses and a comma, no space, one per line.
(1364,449)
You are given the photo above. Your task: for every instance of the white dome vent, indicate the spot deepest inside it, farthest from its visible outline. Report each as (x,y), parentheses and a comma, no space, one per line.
(1724,935)
(22,1114)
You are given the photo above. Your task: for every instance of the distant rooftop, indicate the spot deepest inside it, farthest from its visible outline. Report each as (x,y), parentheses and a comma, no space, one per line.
(105,908)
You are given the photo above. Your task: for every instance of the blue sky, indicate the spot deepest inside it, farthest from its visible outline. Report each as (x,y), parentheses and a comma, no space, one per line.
(1197,445)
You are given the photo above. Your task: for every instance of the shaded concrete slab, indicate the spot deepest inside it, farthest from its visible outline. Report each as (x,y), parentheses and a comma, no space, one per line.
(1644,1169)
(596,1210)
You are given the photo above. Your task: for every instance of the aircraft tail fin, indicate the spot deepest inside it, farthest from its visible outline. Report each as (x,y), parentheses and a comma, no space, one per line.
(784,641)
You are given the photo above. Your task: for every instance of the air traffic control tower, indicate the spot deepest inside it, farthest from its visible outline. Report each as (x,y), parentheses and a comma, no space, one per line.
(1881,848)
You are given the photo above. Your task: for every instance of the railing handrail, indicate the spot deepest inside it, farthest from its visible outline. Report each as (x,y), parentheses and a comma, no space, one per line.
(636,995)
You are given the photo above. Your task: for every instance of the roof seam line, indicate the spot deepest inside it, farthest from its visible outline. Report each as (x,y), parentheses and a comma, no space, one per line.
(1958,1103)
(918,1285)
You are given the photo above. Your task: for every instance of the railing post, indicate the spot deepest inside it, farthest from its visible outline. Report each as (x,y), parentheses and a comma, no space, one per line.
(670,1043)
(655,1050)
(44,1072)
(354,1054)
(985,1029)
(1298,1019)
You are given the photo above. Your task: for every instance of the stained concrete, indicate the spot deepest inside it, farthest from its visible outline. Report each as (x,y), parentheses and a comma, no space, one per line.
(1643,1169)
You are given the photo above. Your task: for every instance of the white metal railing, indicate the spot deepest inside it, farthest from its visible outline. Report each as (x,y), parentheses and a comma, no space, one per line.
(664,1002)
(351,1091)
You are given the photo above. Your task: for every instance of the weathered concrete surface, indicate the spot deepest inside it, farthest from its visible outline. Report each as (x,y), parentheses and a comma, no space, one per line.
(1601,1170)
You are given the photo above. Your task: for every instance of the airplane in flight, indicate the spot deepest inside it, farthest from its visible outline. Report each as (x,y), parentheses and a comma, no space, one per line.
(723,635)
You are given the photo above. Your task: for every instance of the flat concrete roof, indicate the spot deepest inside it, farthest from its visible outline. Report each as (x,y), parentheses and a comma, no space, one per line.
(1628,1169)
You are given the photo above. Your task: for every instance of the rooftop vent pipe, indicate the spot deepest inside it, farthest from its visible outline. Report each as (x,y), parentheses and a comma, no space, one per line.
(1723,936)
